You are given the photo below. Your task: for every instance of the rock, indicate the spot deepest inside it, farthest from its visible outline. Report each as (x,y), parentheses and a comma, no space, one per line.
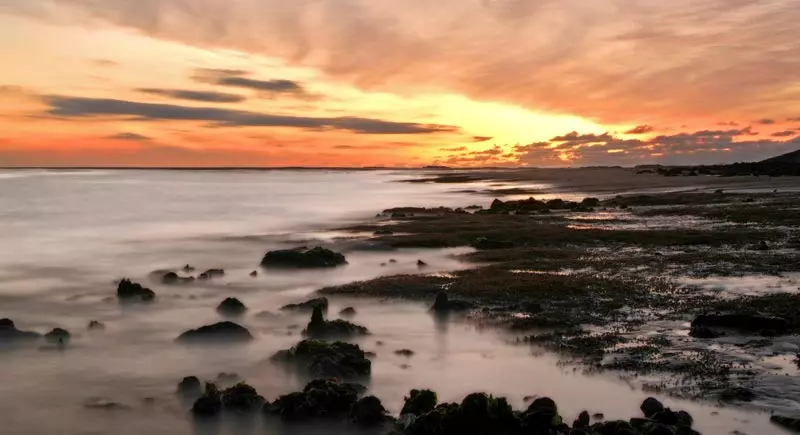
(211,273)
(326,360)
(740,394)
(190,387)
(651,407)
(369,411)
(743,321)
(667,417)
(590,202)
(302,258)
(308,306)
(9,333)
(685,419)
(541,415)
(392,261)
(408,353)
(421,264)
(478,413)
(239,399)
(348,312)
(444,304)
(228,378)
(483,243)
(497,205)
(582,421)
(95,325)
(227,332)
(419,402)
(322,398)
(762,246)
(266,315)
(383,233)
(703,332)
(58,336)
(128,291)
(254,274)
(105,404)
(231,307)
(598,416)
(171,278)
(787,422)
(188,268)
(320,328)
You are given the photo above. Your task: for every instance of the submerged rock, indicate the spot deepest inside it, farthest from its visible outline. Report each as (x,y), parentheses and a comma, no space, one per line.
(383,233)
(443,303)
(171,278)
(95,325)
(743,322)
(348,312)
(10,334)
(240,399)
(302,258)
(408,353)
(320,328)
(128,291)
(188,268)
(419,402)
(740,394)
(254,274)
(226,332)
(483,243)
(308,306)
(322,398)
(190,387)
(651,406)
(421,264)
(703,332)
(369,411)
(231,307)
(58,336)
(320,359)
(211,273)
(787,422)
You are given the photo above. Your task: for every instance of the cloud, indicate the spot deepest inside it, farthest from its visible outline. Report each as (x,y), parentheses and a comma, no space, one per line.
(454,149)
(613,61)
(576,138)
(240,79)
(105,63)
(129,136)
(204,96)
(482,138)
(786,133)
(797,119)
(640,129)
(78,107)
(766,121)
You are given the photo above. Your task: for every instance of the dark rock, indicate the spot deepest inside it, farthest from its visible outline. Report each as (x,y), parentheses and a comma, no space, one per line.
(190,387)
(703,332)
(582,421)
(743,322)
(10,334)
(590,202)
(762,246)
(392,261)
(303,259)
(598,416)
(787,422)
(740,394)
(651,407)
(95,325)
(667,417)
(383,233)
(614,428)
(105,404)
(483,243)
(171,278)
(421,264)
(58,336)
(478,413)
(308,306)
(254,274)
(348,312)
(369,411)
(532,307)
(541,415)
(231,307)
(685,419)
(320,328)
(210,403)
(327,360)
(211,273)
(239,399)
(419,402)
(128,291)
(227,332)
(408,353)
(444,304)
(228,378)
(497,205)
(323,398)
(188,268)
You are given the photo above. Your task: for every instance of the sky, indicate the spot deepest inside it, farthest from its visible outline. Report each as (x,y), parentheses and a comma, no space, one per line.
(400,83)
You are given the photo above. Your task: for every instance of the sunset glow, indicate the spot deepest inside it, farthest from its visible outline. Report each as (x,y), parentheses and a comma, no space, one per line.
(397,83)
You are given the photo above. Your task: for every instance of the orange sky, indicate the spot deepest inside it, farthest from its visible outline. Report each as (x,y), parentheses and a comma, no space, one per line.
(397,82)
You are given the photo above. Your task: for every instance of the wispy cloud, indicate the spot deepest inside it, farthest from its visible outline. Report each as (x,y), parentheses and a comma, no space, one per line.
(204,96)
(129,136)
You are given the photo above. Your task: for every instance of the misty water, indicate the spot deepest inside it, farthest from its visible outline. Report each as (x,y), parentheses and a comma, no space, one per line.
(68,236)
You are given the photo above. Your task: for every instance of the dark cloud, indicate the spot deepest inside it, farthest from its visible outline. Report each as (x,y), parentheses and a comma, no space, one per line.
(240,79)
(640,129)
(205,96)
(793,119)
(482,138)
(129,136)
(728,124)
(453,150)
(581,138)
(75,107)
(786,133)
(765,121)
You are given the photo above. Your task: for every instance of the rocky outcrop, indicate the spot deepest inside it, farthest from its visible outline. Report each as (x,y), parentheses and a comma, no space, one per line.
(419,402)
(95,325)
(320,399)
(308,306)
(58,336)
(222,332)
(302,258)
(745,322)
(238,399)
(9,334)
(444,304)
(326,360)
(348,312)
(190,387)
(369,411)
(320,328)
(483,243)
(172,278)
(211,273)
(129,292)
(231,307)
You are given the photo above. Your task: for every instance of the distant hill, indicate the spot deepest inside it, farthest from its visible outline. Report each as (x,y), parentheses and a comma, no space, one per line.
(792,157)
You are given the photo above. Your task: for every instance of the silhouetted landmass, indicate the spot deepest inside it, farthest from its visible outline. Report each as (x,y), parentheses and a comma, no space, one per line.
(779,166)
